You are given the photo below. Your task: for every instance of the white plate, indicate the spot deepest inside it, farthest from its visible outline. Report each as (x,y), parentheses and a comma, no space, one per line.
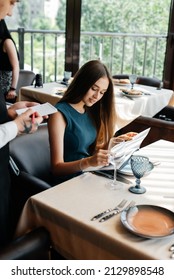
(126,170)
(148,221)
(122,84)
(132,95)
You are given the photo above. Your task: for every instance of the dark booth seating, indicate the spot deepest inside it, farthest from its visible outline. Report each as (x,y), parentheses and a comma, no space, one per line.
(148,81)
(34,245)
(160,128)
(30,167)
(143,80)
(120,76)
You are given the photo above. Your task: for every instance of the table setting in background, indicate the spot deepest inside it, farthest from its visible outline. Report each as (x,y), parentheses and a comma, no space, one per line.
(50,92)
(141,100)
(47,92)
(87,220)
(128,108)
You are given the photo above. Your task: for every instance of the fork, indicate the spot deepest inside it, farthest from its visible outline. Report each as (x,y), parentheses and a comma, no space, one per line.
(132,203)
(120,205)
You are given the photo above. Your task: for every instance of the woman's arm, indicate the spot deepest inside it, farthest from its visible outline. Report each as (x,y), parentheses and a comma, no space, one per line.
(10,49)
(56,127)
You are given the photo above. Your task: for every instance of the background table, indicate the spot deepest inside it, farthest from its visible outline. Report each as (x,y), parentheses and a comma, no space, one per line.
(146,105)
(127,109)
(66,209)
(47,93)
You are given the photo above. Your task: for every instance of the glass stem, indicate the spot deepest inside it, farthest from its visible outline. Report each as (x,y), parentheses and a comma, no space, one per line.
(138,181)
(115,173)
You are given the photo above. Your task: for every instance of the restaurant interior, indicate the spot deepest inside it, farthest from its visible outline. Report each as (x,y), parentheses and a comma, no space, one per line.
(56,222)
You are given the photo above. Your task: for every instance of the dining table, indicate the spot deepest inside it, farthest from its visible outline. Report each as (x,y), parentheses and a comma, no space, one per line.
(128,108)
(66,210)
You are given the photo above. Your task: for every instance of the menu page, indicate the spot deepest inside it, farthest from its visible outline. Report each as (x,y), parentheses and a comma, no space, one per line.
(43,109)
(133,145)
(129,147)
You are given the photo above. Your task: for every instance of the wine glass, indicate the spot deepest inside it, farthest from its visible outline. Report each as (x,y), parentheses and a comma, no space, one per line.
(116,155)
(132,79)
(139,166)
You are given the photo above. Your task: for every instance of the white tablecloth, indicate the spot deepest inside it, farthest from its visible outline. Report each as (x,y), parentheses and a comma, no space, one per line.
(66,211)
(47,93)
(127,110)
(145,105)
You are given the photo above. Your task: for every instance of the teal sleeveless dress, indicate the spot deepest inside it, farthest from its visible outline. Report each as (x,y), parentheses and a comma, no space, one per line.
(80,134)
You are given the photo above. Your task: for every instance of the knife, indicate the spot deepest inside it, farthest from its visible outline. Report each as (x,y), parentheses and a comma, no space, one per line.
(103,174)
(110,176)
(121,204)
(101,214)
(107,217)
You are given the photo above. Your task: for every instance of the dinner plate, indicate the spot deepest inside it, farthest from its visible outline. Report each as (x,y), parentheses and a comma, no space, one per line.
(122,84)
(59,91)
(132,95)
(148,221)
(126,170)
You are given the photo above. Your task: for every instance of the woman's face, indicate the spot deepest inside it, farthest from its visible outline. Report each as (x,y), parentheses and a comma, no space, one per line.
(6,8)
(96,92)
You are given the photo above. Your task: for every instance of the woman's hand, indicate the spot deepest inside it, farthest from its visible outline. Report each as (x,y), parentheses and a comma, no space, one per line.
(11,94)
(100,158)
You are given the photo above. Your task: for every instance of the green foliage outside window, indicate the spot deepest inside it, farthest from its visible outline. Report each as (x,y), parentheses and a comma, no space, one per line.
(115,16)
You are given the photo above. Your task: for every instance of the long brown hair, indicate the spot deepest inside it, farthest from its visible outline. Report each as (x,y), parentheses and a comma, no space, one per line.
(103,111)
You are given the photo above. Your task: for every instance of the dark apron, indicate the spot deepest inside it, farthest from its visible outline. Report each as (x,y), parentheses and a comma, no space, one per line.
(4,181)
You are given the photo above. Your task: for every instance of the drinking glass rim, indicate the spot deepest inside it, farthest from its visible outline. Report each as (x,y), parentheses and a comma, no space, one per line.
(139,156)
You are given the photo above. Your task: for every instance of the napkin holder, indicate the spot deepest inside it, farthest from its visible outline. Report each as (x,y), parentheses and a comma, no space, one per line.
(38,82)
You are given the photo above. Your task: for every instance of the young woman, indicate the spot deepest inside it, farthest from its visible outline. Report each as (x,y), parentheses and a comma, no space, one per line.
(9,66)
(79,132)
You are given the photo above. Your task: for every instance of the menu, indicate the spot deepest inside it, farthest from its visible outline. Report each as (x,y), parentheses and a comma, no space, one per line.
(43,109)
(129,148)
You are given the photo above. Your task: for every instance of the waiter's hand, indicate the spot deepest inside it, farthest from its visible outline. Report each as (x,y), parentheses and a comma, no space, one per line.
(28,122)
(19,105)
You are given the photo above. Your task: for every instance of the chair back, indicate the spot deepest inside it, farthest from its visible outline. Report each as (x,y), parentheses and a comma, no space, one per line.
(121,76)
(31,153)
(30,168)
(143,80)
(26,78)
(148,81)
